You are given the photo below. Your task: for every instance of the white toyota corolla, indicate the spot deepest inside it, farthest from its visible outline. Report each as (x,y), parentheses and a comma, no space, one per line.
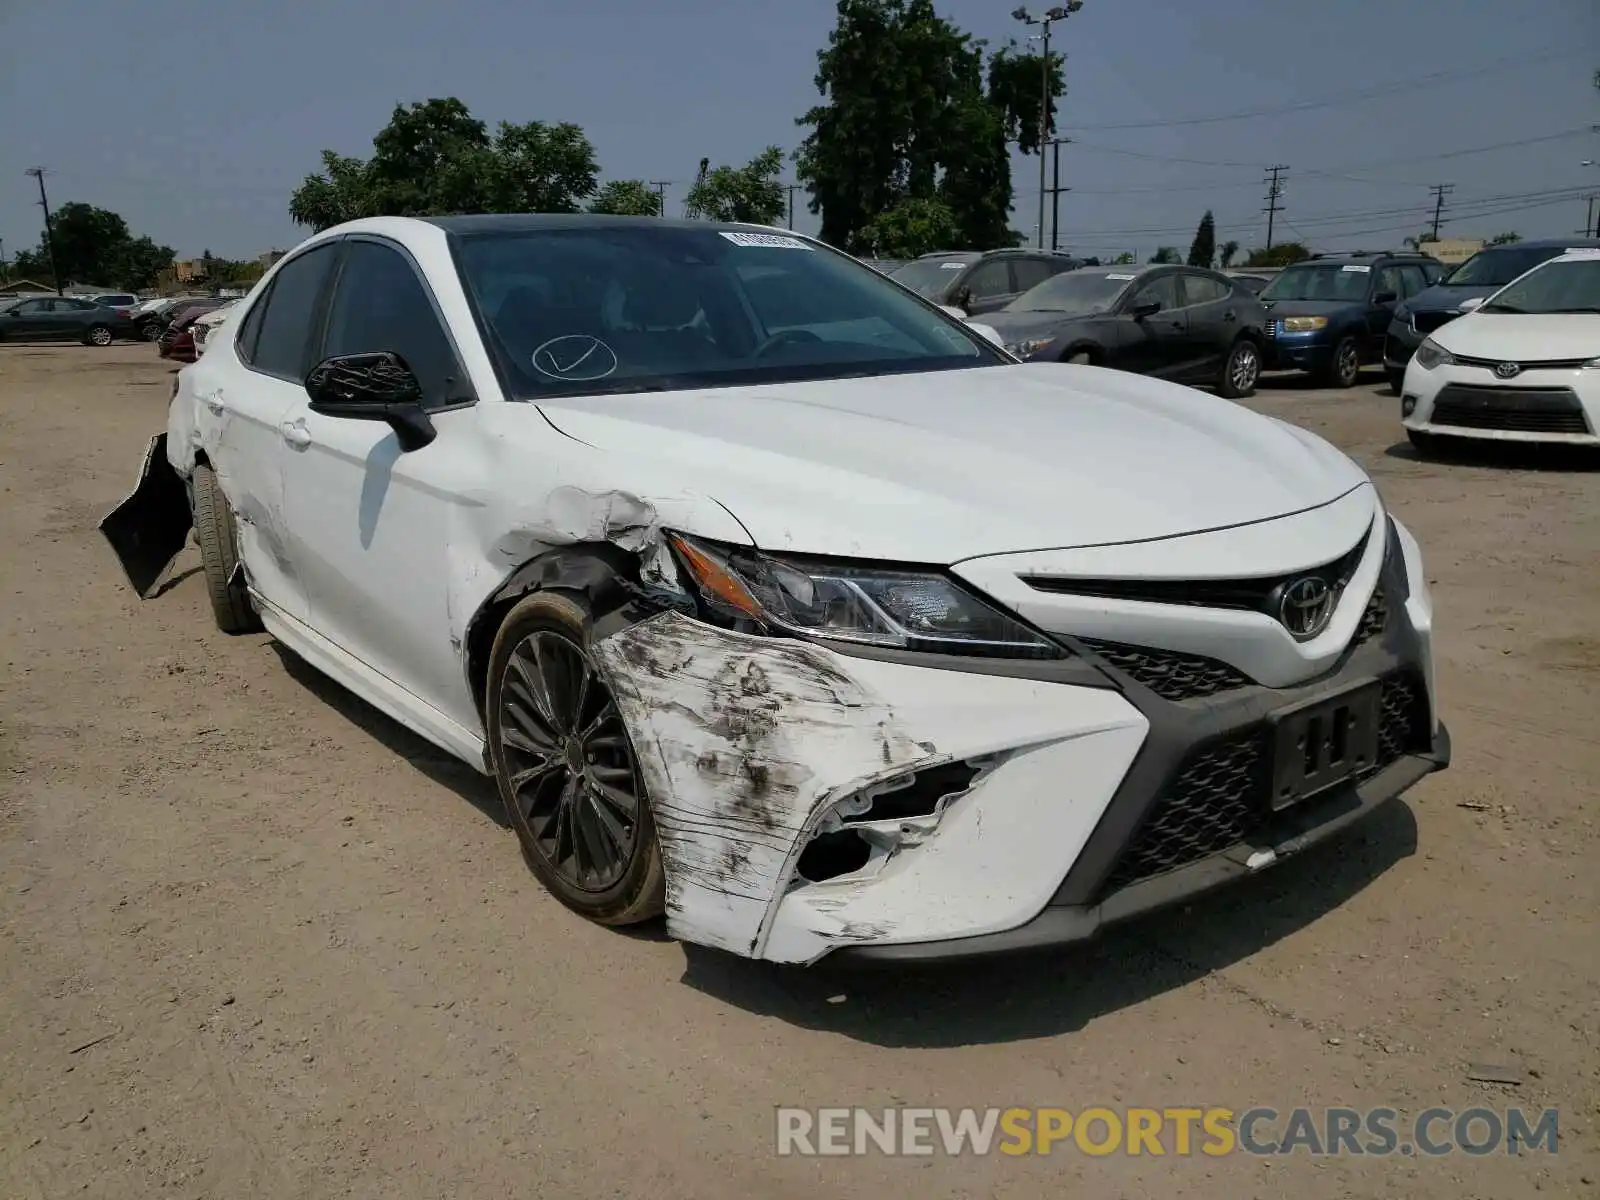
(1524,366)
(777,599)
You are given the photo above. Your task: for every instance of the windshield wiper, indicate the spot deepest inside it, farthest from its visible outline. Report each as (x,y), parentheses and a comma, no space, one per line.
(1505,308)
(1582,309)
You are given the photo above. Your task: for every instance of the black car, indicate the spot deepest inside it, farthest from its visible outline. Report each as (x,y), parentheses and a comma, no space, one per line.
(1187,324)
(1328,315)
(48,318)
(1485,273)
(978,281)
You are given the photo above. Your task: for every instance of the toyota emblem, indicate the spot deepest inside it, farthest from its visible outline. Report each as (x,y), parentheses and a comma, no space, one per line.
(1508,370)
(1306,606)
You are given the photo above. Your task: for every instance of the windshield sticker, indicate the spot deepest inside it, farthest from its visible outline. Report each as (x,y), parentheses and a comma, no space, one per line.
(576,358)
(1587,251)
(1112,276)
(951,266)
(1356,269)
(771,241)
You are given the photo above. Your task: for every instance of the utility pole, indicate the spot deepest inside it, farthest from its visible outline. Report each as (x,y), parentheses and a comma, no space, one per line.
(49,230)
(1055,191)
(1059,13)
(791,188)
(1440,191)
(660,186)
(1588,223)
(1274,183)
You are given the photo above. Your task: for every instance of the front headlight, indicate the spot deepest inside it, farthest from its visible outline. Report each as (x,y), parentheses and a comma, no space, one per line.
(1430,355)
(871,605)
(1304,324)
(1029,346)
(1592,365)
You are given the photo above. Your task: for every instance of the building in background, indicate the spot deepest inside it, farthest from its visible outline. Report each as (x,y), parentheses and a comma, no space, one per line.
(1452,250)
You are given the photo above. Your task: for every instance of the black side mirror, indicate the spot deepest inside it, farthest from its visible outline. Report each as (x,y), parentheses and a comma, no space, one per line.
(377,386)
(1148,309)
(1386,297)
(962,297)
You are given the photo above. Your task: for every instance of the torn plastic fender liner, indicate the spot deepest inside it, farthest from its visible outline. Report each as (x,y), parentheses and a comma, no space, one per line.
(738,740)
(147,531)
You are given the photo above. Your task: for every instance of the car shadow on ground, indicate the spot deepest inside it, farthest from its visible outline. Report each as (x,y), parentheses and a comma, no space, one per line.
(1487,454)
(1046,993)
(1369,382)
(476,789)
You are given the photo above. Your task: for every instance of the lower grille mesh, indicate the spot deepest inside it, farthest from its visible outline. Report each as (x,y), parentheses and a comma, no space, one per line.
(1168,674)
(1219,797)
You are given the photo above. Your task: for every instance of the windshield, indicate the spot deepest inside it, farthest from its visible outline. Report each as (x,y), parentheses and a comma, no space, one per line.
(1075,292)
(629,308)
(1496,268)
(1558,287)
(1337,283)
(930,276)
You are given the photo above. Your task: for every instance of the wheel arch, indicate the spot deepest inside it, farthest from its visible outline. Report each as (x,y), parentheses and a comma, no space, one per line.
(1095,351)
(605,575)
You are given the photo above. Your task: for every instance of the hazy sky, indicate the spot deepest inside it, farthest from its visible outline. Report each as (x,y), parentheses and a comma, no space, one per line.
(196,120)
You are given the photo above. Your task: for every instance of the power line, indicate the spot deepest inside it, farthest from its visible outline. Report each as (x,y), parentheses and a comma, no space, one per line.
(1356,96)
(1274,194)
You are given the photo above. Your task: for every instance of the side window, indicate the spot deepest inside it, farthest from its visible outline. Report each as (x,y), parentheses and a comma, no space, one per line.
(1031,272)
(283,343)
(33,306)
(379,303)
(250,330)
(990,279)
(1432,272)
(1415,281)
(1162,291)
(74,305)
(1389,280)
(1202,289)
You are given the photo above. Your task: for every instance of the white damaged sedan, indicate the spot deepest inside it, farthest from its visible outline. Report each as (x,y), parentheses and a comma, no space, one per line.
(778,600)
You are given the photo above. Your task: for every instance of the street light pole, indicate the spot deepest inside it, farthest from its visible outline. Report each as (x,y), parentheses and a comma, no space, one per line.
(1048,18)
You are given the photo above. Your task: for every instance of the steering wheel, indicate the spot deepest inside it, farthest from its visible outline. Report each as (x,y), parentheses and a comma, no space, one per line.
(783,337)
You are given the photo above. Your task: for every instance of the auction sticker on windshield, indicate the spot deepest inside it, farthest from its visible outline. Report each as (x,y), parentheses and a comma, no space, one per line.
(1356,268)
(1110,276)
(772,241)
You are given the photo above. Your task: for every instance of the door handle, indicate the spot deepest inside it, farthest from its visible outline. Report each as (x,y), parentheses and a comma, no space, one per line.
(1230,315)
(213,401)
(295,433)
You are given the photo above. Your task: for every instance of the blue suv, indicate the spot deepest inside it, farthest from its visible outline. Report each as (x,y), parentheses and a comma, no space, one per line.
(1482,275)
(1329,314)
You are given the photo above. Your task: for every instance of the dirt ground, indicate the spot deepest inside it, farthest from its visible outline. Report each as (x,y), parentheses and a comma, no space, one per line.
(258,941)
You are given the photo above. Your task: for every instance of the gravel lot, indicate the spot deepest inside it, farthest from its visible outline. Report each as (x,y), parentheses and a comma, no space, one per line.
(258,941)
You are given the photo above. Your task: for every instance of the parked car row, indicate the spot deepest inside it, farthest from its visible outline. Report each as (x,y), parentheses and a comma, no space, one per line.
(62,318)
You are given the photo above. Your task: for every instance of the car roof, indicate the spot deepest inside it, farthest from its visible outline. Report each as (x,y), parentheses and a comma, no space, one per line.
(485,223)
(1577,243)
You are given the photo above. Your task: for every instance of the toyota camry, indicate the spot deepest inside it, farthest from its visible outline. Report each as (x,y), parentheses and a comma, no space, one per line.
(775,599)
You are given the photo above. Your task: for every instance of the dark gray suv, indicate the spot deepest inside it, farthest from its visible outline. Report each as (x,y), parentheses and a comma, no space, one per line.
(981,281)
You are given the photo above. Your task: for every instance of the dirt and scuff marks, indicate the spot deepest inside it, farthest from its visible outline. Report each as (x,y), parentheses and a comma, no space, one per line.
(741,740)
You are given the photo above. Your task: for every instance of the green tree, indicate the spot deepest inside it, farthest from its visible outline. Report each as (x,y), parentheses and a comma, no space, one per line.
(749,193)
(1504,239)
(1165,254)
(1203,250)
(1229,249)
(1281,255)
(909,229)
(435,157)
(913,109)
(93,245)
(627,198)
(1124,259)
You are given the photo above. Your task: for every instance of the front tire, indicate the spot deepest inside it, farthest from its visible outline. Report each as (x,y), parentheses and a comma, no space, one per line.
(1082,358)
(1397,382)
(219,554)
(97,335)
(1241,371)
(566,770)
(1345,366)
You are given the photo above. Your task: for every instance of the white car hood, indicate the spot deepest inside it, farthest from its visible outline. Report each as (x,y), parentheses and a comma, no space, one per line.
(1528,338)
(942,466)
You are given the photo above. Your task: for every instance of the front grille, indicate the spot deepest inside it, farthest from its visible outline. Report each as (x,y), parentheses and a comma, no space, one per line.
(1525,410)
(1427,322)
(1254,594)
(1374,618)
(1219,797)
(1532,364)
(1168,674)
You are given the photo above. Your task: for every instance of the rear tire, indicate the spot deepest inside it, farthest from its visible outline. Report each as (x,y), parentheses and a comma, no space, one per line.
(1240,371)
(566,769)
(97,335)
(219,555)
